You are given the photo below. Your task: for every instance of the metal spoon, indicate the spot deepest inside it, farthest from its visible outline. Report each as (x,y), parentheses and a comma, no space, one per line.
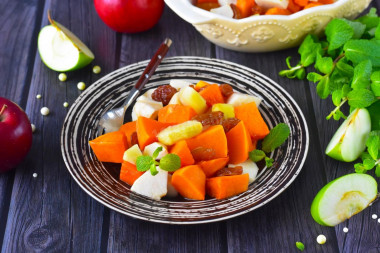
(113,119)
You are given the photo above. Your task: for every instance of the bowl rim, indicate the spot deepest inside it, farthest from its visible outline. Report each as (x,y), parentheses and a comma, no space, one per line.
(209,16)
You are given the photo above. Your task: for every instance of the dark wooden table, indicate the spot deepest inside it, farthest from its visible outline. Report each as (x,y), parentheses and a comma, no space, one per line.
(51,213)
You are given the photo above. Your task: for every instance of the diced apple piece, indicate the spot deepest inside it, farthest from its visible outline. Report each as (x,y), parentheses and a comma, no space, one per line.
(179,84)
(349,140)
(185,130)
(249,167)
(228,110)
(172,192)
(237,99)
(282,4)
(224,10)
(147,94)
(190,97)
(131,154)
(154,187)
(146,107)
(175,99)
(149,150)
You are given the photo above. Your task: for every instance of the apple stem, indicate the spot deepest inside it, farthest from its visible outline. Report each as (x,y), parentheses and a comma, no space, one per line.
(51,21)
(3,109)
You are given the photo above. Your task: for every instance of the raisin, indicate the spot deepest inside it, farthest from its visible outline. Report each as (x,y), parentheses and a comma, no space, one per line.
(226,90)
(134,139)
(210,119)
(257,10)
(230,123)
(236,11)
(232,171)
(203,154)
(164,93)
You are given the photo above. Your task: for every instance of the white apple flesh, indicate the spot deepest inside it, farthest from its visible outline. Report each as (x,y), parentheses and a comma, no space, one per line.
(249,167)
(154,187)
(349,140)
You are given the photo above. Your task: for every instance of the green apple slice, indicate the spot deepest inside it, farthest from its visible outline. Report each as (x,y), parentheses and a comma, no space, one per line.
(349,140)
(342,198)
(61,50)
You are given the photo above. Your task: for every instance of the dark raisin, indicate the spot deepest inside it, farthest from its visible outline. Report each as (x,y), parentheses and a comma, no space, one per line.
(257,10)
(203,154)
(134,139)
(230,123)
(210,119)
(164,93)
(236,11)
(226,90)
(232,171)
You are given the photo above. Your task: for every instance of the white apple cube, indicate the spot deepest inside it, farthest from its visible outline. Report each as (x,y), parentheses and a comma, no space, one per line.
(175,99)
(149,150)
(237,99)
(179,84)
(228,110)
(190,97)
(131,154)
(154,187)
(226,2)
(172,192)
(282,4)
(146,107)
(249,167)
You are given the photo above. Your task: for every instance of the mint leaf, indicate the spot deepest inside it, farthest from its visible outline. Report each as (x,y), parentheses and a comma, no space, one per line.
(153,170)
(360,50)
(323,87)
(300,246)
(360,98)
(314,77)
(346,89)
(362,74)
(309,50)
(359,168)
(368,164)
(358,28)
(375,85)
(374,110)
(377,171)
(370,20)
(170,162)
(156,152)
(377,32)
(373,145)
(268,162)
(337,96)
(276,137)
(345,68)
(257,155)
(144,162)
(337,33)
(324,64)
(365,155)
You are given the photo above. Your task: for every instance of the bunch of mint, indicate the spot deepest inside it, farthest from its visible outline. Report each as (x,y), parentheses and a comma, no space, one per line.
(170,162)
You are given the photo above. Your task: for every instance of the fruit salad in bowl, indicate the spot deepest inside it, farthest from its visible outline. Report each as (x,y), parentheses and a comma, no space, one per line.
(191,140)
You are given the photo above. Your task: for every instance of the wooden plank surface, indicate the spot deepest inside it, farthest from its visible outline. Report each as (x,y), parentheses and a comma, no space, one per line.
(51,213)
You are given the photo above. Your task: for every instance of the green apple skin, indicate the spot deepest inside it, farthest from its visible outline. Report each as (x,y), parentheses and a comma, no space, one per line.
(352,193)
(348,142)
(79,54)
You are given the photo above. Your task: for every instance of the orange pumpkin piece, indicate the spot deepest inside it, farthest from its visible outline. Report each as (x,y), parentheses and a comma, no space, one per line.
(110,147)
(129,173)
(227,186)
(147,130)
(245,7)
(292,7)
(128,129)
(277,11)
(212,95)
(182,150)
(239,143)
(212,166)
(302,3)
(190,182)
(175,114)
(212,138)
(311,5)
(201,84)
(253,121)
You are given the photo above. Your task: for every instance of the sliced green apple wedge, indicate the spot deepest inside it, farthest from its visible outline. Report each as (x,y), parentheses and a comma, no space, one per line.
(61,50)
(349,140)
(342,198)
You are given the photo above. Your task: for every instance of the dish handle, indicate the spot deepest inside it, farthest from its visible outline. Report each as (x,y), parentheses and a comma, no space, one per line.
(186,10)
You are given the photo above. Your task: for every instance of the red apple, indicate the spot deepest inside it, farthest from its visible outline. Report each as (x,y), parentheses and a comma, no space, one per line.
(130,16)
(15,135)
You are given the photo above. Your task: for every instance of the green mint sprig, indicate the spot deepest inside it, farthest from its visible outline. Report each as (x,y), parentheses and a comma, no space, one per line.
(276,137)
(170,162)
(371,158)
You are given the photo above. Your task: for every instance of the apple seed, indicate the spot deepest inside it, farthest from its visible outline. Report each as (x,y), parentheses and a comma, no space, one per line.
(81,86)
(45,111)
(96,69)
(321,239)
(65,104)
(62,77)
(38,96)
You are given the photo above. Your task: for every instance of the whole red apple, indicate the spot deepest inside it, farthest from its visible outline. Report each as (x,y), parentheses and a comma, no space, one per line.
(130,16)
(15,134)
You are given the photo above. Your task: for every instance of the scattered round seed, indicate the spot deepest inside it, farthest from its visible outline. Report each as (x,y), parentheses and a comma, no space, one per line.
(33,127)
(345,229)
(374,216)
(62,77)
(45,111)
(96,69)
(81,86)
(35,175)
(66,104)
(321,239)
(378,220)
(38,96)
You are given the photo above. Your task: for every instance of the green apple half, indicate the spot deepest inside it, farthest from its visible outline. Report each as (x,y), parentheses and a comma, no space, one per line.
(61,50)
(349,140)
(342,198)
